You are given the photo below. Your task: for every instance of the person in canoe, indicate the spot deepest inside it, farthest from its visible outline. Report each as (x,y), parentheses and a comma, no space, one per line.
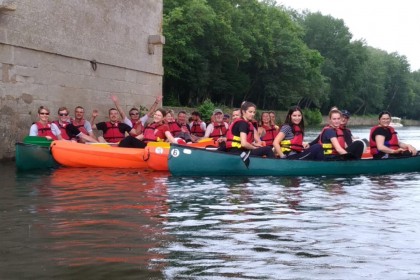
(135,121)
(178,130)
(236,114)
(242,135)
(197,126)
(70,131)
(43,127)
(81,124)
(267,130)
(157,131)
(113,131)
(289,141)
(333,142)
(217,128)
(384,142)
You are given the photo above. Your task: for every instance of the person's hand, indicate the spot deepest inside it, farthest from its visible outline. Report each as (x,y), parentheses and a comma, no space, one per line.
(48,137)
(140,137)
(95,113)
(258,144)
(305,145)
(114,98)
(159,98)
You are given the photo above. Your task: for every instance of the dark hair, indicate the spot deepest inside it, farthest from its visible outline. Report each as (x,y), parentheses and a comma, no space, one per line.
(384,113)
(79,107)
(133,109)
(62,109)
(260,123)
(288,119)
(246,105)
(182,112)
(43,108)
(196,113)
(112,109)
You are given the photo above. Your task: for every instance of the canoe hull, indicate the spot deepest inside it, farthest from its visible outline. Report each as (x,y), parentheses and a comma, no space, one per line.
(200,162)
(83,155)
(32,156)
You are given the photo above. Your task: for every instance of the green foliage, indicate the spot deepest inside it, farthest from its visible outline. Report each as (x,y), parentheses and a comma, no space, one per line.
(228,51)
(312,116)
(206,110)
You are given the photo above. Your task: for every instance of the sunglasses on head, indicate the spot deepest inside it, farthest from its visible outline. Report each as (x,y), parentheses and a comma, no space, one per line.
(43,113)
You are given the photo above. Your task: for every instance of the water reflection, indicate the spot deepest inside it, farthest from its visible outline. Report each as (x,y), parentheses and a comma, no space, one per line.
(86,221)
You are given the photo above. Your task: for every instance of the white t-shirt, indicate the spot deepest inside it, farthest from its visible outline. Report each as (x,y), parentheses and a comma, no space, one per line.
(33,131)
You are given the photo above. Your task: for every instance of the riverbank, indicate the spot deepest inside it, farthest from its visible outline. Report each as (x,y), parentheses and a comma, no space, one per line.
(281,115)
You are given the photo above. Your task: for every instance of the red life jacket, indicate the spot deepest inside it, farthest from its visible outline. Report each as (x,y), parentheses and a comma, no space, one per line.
(153,134)
(113,133)
(80,126)
(45,130)
(329,147)
(62,128)
(196,129)
(392,143)
(234,141)
(294,144)
(138,126)
(270,133)
(219,130)
(174,128)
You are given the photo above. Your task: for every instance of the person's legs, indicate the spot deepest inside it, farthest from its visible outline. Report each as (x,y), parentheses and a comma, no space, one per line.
(132,142)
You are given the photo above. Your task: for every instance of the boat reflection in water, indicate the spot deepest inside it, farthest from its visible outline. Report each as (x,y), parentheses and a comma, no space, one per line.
(104,216)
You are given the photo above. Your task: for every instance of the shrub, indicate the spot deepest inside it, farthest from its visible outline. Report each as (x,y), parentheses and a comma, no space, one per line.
(206,110)
(312,116)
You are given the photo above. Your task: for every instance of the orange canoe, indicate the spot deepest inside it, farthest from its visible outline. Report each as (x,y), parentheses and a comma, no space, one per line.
(156,153)
(73,154)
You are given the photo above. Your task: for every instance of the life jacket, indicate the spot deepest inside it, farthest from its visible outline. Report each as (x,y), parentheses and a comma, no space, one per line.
(62,128)
(45,130)
(328,147)
(219,130)
(294,144)
(174,128)
(80,126)
(152,134)
(113,133)
(392,143)
(138,126)
(270,133)
(196,129)
(234,141)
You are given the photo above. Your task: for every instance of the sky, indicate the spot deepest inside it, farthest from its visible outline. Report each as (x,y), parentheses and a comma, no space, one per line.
(389,25)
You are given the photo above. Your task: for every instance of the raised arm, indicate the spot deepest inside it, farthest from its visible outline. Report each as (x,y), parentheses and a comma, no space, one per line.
(118,106)
(95,113)
(153,108)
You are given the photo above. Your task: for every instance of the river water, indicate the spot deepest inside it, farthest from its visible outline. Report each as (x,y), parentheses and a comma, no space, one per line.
(136,224)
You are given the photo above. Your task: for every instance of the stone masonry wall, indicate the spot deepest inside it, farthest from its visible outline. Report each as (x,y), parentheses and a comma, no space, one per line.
(46,52)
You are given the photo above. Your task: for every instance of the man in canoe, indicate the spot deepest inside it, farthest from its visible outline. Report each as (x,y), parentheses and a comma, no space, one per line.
(217,128)
(81,124)
(68,130)
(384,140)
(113,131)
(135,121)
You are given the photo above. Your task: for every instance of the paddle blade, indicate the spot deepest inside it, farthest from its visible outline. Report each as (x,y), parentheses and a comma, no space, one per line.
(245,157)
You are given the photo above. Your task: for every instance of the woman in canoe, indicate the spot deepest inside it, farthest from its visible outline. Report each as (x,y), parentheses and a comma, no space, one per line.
(289,141)
(267,129)
(242,135)
(43,127)
(384,141)
(333,142)
(157,131)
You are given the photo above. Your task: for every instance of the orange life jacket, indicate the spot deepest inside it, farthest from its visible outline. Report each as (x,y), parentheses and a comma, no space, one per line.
(329,147)
(234,141)
(219,130)
(113,133)
(45,130)
(294,144)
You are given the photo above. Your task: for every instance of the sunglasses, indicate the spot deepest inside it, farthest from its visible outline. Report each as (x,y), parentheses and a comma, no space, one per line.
(62,115)
(133,114)
(44,113)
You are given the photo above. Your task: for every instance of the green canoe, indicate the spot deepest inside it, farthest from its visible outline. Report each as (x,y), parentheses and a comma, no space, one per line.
(187,161)
(34,153)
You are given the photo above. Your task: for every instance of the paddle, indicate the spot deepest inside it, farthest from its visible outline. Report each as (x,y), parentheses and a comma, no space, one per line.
(245,157)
